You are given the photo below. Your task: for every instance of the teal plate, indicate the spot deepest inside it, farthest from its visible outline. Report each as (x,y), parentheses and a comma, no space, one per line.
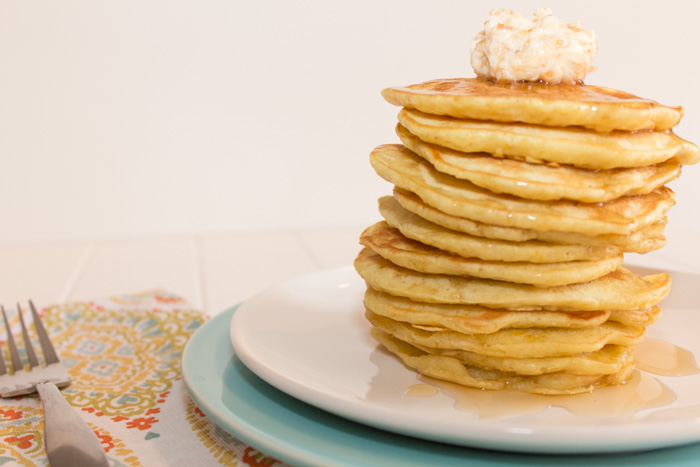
(297,433)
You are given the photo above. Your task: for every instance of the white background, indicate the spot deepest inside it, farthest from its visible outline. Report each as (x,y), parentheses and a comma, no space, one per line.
(141,118)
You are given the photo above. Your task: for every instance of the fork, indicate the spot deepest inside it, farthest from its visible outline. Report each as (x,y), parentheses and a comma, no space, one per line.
(69,440)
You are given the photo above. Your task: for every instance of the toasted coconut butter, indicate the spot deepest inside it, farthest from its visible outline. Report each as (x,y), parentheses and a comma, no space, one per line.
(514,48)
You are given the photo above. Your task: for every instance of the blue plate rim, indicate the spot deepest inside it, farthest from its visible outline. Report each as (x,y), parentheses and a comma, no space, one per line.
(213,335)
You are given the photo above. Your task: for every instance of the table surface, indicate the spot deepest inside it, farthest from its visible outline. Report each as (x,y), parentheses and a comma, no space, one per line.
(214,272)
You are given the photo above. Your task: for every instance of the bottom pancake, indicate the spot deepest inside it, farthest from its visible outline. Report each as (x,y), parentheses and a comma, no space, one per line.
(453,370)
(608,360)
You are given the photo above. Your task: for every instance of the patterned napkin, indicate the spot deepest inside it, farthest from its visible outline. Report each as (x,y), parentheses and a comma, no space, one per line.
(123,354)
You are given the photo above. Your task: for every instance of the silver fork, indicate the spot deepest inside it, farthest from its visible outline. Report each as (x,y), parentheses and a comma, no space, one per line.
(69,440)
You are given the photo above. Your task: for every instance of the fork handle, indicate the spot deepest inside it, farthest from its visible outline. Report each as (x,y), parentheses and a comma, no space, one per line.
(69,440)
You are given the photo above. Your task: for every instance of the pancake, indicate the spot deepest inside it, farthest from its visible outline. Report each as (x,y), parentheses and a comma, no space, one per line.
(646,239)
(498,264)
(538,144)
(516,343)
(400,250)
(608,360)
(475,319)
(542,181)
(428,233)
(452,369)
(595,107)
(619,290)
(462,198)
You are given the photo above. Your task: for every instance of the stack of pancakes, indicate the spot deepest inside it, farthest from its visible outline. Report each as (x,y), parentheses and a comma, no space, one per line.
(498,264)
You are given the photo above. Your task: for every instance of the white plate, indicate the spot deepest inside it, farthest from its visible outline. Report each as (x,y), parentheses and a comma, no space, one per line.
(308,337)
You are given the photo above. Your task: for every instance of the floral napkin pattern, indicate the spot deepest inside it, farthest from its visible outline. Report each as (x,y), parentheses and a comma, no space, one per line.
(123,354)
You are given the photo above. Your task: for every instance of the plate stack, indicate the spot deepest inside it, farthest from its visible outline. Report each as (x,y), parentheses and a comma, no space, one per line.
(498,264)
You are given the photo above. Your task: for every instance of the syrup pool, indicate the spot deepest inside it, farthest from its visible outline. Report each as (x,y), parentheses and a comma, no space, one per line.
(662,358)
(642,391)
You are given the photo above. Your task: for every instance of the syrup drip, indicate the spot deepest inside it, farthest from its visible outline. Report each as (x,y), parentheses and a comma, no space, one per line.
(641,392)
(422,390)
(664,359)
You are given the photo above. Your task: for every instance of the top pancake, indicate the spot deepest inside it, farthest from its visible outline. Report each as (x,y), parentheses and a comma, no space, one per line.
(594,107)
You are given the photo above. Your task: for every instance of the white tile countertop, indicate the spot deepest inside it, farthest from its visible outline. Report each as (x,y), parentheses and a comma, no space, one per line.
(215,272)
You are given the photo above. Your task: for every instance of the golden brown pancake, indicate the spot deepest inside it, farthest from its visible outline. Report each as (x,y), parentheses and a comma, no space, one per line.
(462,198)
(400,250)
(641,241)
(619,290)
(542,181)
(595,107)
(517,343)
(452,369)
(421,230)
(498,264)
(608,360)
(539,144)
(475,319)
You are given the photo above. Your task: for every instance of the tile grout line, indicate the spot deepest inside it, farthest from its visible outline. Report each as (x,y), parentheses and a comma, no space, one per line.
(307,249)
(74,278)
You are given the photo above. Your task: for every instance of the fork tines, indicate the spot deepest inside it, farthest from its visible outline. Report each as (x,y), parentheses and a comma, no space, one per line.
(46,346)
(68,439)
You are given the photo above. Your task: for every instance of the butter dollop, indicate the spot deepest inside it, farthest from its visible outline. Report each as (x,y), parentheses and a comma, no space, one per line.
(512,48)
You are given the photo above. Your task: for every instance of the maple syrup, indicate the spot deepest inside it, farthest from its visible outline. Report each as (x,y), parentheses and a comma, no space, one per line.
(641,392)
(662,358)
(422,390)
